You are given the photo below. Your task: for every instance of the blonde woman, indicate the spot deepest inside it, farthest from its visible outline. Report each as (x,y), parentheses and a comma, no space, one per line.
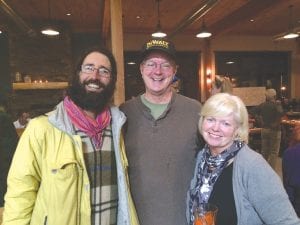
(232,176)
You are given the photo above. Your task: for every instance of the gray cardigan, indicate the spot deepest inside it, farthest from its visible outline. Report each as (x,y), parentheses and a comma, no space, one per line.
(258,192)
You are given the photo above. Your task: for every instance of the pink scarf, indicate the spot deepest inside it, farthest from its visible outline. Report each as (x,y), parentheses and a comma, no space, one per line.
(93,128)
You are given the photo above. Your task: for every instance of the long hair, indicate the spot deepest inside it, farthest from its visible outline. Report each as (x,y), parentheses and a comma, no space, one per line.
(102,50)
(224,104)
(93,101)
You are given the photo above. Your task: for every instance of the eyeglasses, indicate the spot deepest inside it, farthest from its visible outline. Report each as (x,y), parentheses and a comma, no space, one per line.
(151,65)
(102,71)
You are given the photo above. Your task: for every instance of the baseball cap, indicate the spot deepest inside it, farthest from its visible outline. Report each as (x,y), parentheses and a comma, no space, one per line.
(159,45)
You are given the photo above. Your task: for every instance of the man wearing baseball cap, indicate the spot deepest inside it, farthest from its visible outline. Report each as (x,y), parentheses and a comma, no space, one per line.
(161,139)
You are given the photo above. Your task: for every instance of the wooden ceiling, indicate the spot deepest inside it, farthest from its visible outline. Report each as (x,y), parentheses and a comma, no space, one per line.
(222,17)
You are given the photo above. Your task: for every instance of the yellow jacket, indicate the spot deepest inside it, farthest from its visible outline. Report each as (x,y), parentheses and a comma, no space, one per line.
(48,182)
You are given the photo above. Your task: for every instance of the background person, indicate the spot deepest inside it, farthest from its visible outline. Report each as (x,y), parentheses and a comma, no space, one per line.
(23,119)
(69,167)
(221,85)
(269,115)
(8,143)
(161,139)
(232,176)
(176,84)
(291,169)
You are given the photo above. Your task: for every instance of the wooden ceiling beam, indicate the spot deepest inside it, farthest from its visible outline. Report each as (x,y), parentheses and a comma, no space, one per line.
(18,20)
(193,16)
(246,12)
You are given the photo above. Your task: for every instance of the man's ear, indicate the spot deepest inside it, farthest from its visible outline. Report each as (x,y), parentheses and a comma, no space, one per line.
(176,68)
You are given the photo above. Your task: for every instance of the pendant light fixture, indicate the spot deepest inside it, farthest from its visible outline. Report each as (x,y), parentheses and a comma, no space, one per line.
(158,33)
(290,33)
(49,29)
(204,33)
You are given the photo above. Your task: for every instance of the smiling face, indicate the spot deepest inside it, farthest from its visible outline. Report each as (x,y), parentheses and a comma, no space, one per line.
(219,132)
(94,85)
(158,71)
(91,76)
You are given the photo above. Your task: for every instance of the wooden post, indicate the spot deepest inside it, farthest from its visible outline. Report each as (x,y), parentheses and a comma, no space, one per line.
(117,48)
(206,63)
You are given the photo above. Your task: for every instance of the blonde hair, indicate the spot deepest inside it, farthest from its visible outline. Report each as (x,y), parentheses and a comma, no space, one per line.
(225,104)
(223,83)
(270,94)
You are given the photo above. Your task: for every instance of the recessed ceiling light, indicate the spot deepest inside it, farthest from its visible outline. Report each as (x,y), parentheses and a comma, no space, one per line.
(138,17)
(68,14)
(131,63)
(229,62)
(252,20)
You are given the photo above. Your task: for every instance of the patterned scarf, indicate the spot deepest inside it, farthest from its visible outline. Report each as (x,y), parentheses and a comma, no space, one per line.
(93,128)
(209,169)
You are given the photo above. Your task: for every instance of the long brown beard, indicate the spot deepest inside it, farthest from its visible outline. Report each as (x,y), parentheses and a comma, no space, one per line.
(91,101)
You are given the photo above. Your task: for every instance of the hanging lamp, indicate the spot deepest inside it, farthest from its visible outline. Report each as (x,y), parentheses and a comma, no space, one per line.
(204,33)
(290,33)
(158,33)
(50,29)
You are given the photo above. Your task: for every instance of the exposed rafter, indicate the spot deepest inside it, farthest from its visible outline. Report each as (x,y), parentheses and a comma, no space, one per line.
(244,14)
(195,15)
(17,19)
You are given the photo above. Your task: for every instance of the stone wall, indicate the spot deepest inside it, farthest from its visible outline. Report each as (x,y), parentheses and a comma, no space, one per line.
(42,58)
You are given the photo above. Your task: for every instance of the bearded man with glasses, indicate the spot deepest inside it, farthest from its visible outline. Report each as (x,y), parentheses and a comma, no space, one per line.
(161,139)
(70,165)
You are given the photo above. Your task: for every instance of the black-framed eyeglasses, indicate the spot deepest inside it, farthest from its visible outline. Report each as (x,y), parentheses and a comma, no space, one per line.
(90,68)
